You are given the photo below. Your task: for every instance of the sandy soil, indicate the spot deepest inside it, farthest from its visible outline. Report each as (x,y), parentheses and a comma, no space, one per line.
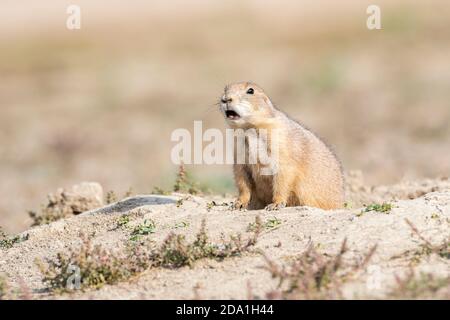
(426,204)
(101,103)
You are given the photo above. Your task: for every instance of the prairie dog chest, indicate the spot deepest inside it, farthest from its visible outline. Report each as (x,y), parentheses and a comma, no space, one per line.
(256,147)
(262,184)
(257,170)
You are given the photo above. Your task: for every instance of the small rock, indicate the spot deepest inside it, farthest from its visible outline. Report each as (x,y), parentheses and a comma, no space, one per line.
(85,196)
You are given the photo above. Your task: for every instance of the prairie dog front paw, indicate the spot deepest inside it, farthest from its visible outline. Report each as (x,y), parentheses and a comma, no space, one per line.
(240,205)
(275,206)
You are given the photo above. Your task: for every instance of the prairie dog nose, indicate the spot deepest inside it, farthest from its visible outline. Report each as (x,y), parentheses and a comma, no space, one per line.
(226,99)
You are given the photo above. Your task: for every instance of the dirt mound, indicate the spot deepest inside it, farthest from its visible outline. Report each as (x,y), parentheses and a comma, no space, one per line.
(401,251)
(358,193)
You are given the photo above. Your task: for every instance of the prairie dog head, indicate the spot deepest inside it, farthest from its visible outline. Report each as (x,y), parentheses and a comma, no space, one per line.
(245,105)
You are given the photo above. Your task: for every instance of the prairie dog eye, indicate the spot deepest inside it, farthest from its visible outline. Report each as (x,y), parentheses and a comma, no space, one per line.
(250,91)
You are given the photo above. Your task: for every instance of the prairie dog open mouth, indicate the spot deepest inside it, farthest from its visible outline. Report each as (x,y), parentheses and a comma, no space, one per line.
(232,115)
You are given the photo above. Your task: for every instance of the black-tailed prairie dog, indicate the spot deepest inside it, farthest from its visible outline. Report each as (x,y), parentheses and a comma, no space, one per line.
(308,173)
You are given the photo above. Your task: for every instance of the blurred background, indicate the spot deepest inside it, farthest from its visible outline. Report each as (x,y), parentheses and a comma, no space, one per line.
(100,103)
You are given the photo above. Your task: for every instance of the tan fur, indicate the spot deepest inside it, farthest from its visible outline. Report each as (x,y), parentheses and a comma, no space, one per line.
(309,173)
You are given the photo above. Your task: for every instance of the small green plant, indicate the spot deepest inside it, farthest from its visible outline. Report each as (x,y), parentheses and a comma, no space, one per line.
(434,216)
(143,229)
(7,242)
(384,208)
(270,223)
(210,205)
(182,224)
(123,221)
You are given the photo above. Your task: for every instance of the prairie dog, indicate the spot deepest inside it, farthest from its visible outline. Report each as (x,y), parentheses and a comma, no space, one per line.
(308,174)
